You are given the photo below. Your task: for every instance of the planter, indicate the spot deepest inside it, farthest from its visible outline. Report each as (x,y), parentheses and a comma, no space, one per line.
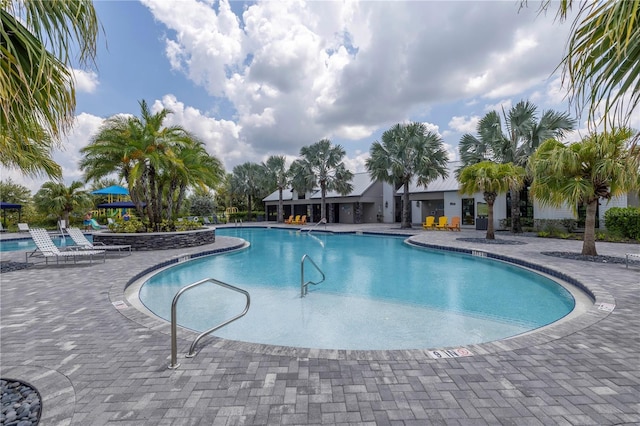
(158,240)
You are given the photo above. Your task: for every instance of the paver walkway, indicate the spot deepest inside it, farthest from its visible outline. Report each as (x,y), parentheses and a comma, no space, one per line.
(65,331)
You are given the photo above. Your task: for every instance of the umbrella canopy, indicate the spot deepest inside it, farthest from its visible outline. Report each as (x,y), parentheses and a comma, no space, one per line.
(10,206)
(112,190)
(118,205)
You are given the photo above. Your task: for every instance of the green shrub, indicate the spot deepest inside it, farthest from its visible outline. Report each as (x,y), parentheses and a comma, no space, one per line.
(623,222)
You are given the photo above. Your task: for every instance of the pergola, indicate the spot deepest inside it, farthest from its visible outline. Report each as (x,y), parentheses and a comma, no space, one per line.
(10,206)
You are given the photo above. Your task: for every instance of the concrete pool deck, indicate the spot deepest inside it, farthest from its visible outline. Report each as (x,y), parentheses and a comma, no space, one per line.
(69,331)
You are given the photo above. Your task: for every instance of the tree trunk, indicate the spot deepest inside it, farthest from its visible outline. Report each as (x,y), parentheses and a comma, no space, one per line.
(406,222)
(516,227)
(280,206)
(589,243)
(490,198)
(181,194)
(323,194)
(249,208)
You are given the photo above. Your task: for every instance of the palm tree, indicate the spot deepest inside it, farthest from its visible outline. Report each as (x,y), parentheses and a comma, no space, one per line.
(37,89)
(277,176)
(603,56)
(408,151)
(521,136)
(321,166)
(149,156)
(58,198)
(194,168)
(30,151)
(581,173)
(491,179)
(246,180)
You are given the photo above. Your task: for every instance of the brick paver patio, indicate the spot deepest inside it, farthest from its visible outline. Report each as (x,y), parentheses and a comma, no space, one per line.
(64,330)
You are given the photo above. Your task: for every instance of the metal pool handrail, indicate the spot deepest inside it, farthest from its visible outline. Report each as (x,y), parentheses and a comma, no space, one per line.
(304,285)
(174,323)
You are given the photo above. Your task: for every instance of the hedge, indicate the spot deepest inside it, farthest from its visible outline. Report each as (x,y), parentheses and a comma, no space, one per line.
(623,222)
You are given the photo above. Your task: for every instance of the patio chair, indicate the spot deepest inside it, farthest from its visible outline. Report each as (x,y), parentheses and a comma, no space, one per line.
(295,221)
(82,242)
(205,220)
(455,224)
(2,228)
(442,223)
(300,220)
(23,227)
(429,222)
(47,249)
(289,221)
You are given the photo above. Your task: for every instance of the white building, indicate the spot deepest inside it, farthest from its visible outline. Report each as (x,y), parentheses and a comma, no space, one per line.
(372,201)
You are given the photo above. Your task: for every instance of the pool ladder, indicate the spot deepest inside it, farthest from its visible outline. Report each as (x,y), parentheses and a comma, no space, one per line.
(174,323)
(304,286)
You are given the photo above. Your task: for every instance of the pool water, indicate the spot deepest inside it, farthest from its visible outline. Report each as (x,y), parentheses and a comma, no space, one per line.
(379,293)
(27,244)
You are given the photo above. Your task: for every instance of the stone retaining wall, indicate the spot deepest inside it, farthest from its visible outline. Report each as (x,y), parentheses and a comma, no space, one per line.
(158,240)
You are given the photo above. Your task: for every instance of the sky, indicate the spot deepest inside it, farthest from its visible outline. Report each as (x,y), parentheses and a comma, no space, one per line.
(254,79)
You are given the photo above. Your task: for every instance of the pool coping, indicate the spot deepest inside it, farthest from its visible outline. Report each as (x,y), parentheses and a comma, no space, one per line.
(602,301)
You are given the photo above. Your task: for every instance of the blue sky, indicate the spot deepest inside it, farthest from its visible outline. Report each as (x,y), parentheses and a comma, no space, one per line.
(253,79)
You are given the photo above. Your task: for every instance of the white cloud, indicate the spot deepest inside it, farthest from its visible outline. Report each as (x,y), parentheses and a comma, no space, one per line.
(464,124)
(86,81)
(296,72)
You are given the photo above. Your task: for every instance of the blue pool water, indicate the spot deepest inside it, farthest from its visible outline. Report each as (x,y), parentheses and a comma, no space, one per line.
(379,293)
(27,244)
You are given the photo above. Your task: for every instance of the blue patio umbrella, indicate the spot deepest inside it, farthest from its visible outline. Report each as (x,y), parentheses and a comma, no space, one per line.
(111,191)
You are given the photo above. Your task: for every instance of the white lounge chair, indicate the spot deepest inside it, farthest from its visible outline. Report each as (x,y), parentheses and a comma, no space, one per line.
(47,249)
(78,237)
(23,227)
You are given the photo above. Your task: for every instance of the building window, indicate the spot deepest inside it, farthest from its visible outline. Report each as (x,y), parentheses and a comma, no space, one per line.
(468,211)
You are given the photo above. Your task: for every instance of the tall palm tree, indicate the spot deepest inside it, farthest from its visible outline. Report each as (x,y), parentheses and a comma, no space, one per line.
(321,166)
(37,89)
(602,64)
(61,199)
(247,180)
(581,173)
(277,176)
(408,151)
(491,179)
(522,134)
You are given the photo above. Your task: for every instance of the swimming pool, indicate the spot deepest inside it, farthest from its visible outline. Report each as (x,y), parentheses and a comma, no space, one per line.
(27,244)
(379,293)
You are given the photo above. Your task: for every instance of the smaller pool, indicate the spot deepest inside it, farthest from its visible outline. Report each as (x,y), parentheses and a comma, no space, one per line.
(27,244)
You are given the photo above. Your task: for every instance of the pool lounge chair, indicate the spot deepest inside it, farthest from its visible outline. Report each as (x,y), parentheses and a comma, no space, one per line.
(47,249)
(288,221)
(442,223)
(23,227)
(82,242)
(429,222)
(300,220)
(455,224)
